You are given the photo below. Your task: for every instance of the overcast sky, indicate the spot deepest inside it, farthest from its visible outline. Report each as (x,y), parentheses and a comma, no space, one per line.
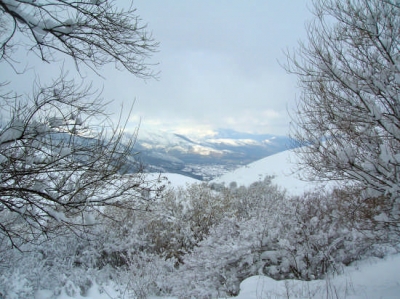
(219,66)
(219,63)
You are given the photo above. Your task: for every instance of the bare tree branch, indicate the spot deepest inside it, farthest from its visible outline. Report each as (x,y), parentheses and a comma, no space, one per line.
(56,165)
(94,33)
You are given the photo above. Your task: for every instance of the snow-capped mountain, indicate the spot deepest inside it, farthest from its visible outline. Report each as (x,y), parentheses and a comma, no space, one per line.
(204,157)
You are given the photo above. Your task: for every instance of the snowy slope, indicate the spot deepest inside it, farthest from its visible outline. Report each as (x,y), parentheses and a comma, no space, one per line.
(367,279)
(281,165)
(167,141)
(173,180)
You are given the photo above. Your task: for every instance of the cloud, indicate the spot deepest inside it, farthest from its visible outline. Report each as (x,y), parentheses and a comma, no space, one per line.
(218,62)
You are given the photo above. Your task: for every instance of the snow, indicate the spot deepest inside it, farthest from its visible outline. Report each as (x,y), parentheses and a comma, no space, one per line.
(282,166)
(205,151)
(366,279)
(372,278)
(39,19)
(14,132)
(173,179)
(170,141)
(95,292)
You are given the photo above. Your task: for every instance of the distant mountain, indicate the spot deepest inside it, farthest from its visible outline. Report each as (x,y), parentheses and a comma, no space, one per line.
(205,157)
(199,157)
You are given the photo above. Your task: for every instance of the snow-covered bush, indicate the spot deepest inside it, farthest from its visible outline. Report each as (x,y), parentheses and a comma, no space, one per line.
(301,237)
(71,264)
(200,243)
(146,274)
(231,250)
(220,262)
(175,223)
(64,264)
(317,233)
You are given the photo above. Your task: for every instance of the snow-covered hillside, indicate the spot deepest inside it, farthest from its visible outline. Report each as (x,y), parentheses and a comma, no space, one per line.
(170,142)
(173,180)
(282,166)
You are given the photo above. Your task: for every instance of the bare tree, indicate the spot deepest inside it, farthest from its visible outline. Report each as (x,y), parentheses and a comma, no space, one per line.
(59,167)
(61,157)
(93,32)
(348,116)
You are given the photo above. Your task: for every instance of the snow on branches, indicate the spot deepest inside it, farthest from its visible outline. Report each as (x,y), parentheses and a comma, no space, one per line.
(90,32)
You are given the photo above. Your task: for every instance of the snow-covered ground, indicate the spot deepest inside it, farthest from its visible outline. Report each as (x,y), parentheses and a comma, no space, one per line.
(282,166)
(367,279)
(173,179)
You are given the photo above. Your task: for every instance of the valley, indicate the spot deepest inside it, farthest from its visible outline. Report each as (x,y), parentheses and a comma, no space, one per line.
(204,157)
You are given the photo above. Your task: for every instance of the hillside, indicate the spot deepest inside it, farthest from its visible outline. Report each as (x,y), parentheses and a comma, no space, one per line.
(281,165)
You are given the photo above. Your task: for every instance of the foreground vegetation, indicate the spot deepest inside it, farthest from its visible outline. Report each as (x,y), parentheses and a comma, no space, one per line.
(202,241)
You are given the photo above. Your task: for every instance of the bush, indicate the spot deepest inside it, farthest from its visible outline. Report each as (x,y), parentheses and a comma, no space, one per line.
(177,222)
(299,237)
(198,242)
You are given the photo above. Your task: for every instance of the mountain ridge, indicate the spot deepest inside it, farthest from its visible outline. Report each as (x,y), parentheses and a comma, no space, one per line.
(200,156)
